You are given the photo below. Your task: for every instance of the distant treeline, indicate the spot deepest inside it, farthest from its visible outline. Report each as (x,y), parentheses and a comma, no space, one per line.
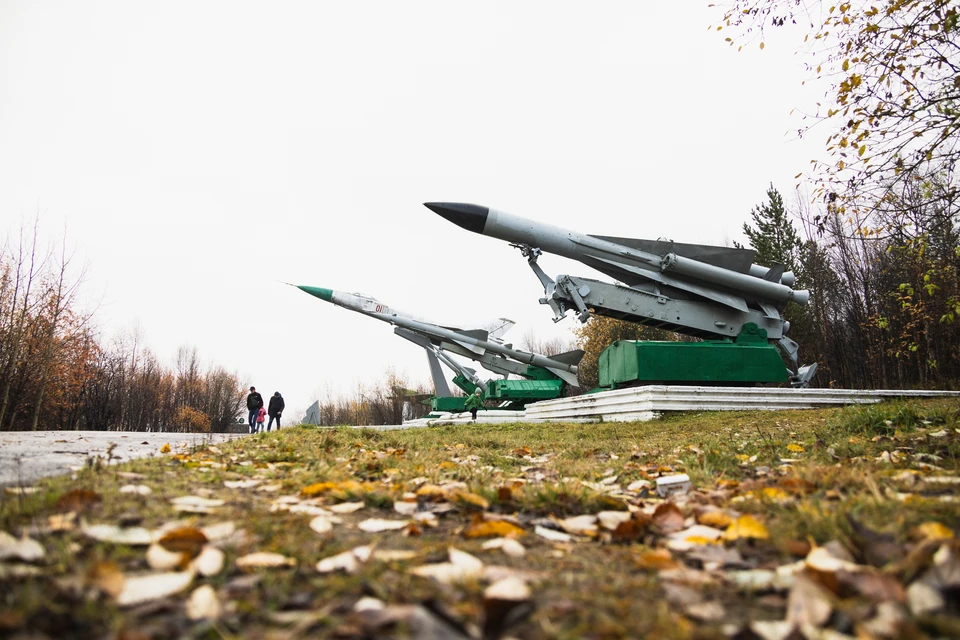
(55,373)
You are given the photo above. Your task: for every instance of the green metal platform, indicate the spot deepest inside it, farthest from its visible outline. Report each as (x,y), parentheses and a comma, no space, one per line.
(745,361)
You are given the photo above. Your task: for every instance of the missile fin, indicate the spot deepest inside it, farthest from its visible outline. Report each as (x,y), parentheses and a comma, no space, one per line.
(566,376)
(471,347)
(476,334)
(570,357)
(499,327)
(728,299)
(726,257)
(769,310)
(775,273)
(440,386)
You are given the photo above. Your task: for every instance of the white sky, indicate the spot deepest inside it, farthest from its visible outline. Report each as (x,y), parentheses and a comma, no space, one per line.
(201,153)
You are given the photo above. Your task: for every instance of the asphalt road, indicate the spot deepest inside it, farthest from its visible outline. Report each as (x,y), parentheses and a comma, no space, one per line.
(26,456)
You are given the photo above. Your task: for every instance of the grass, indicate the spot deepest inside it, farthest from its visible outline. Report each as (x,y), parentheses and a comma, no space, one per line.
(585,589)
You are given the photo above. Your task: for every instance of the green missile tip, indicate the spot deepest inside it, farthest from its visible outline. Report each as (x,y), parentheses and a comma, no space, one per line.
(323,294)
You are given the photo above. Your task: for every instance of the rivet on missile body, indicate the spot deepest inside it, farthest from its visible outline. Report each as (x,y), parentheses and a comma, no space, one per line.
(720,323)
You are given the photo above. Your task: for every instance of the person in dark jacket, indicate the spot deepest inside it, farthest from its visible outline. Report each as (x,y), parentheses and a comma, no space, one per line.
(254,402)
(275,409)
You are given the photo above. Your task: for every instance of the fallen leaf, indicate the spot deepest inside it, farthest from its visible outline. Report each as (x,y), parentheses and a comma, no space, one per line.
(165,448)
(508,545)
(139,489)
(376,525)
(348,561)
(106,577)
(322,524)
(748,527)
(240,484)
(161,559)
(932,531)
(203,604)
(219,531)
(141,588)
(210,561)
(26,549)
(263,559)
(551,535)
(612,519)
(716,519)
(808,603)
(393,555)
(317,489)
(461,567)
(667,517)
(132,536)
(795,448)
(405,508)
(585,525)
(633,529)
(511,588)
(492,528)
(78,500)
(187,540)
(346,507)
(656,559)
(196,504)
(471,500)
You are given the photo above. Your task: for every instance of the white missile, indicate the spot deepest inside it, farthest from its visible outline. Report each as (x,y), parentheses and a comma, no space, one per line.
(465,341)
(721,274)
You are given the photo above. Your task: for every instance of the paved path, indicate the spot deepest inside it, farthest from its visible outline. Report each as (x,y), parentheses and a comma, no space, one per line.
(26,456)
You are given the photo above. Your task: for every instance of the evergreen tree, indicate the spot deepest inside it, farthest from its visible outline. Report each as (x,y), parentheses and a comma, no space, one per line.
(773,236)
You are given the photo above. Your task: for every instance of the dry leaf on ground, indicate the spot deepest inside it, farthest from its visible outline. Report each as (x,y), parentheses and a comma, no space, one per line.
(141,588)
(263,559)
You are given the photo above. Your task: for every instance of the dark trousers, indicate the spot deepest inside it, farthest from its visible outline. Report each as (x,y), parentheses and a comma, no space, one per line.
(473,412)
(270,424)
(252,419)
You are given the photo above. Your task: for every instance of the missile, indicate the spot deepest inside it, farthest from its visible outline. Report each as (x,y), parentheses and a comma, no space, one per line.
(478,344)
(721,274)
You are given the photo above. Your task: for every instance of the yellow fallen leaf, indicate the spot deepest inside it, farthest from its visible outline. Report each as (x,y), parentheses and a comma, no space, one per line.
(165,448)
(716,519)
(932,531)
(746,527)
(316,489)
(471,500)
(656,559)
(492,529)
(796,448)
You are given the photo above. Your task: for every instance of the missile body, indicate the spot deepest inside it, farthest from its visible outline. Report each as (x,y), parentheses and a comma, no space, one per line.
(475,344)
(631,260)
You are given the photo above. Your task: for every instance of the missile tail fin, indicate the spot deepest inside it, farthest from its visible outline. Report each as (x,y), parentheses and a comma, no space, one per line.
(566,376)
(570,357)
(476,334)
(440,386)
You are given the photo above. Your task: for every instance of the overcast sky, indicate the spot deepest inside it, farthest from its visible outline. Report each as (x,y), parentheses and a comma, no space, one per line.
(200,154)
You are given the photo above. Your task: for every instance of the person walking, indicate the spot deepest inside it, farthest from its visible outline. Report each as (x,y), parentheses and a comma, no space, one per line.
(254,404)
(474,402)
(275,409)
(261,416)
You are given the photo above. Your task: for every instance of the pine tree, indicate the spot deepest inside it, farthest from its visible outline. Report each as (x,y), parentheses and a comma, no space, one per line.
(773,236)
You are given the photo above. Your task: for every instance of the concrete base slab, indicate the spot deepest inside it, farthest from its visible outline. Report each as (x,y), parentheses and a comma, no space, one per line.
(647,403)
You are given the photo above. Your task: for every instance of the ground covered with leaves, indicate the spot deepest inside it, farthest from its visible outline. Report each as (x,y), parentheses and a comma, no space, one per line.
(800,524)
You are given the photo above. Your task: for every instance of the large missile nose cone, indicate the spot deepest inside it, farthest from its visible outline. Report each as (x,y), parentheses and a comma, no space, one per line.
(471,217)
(323,294)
